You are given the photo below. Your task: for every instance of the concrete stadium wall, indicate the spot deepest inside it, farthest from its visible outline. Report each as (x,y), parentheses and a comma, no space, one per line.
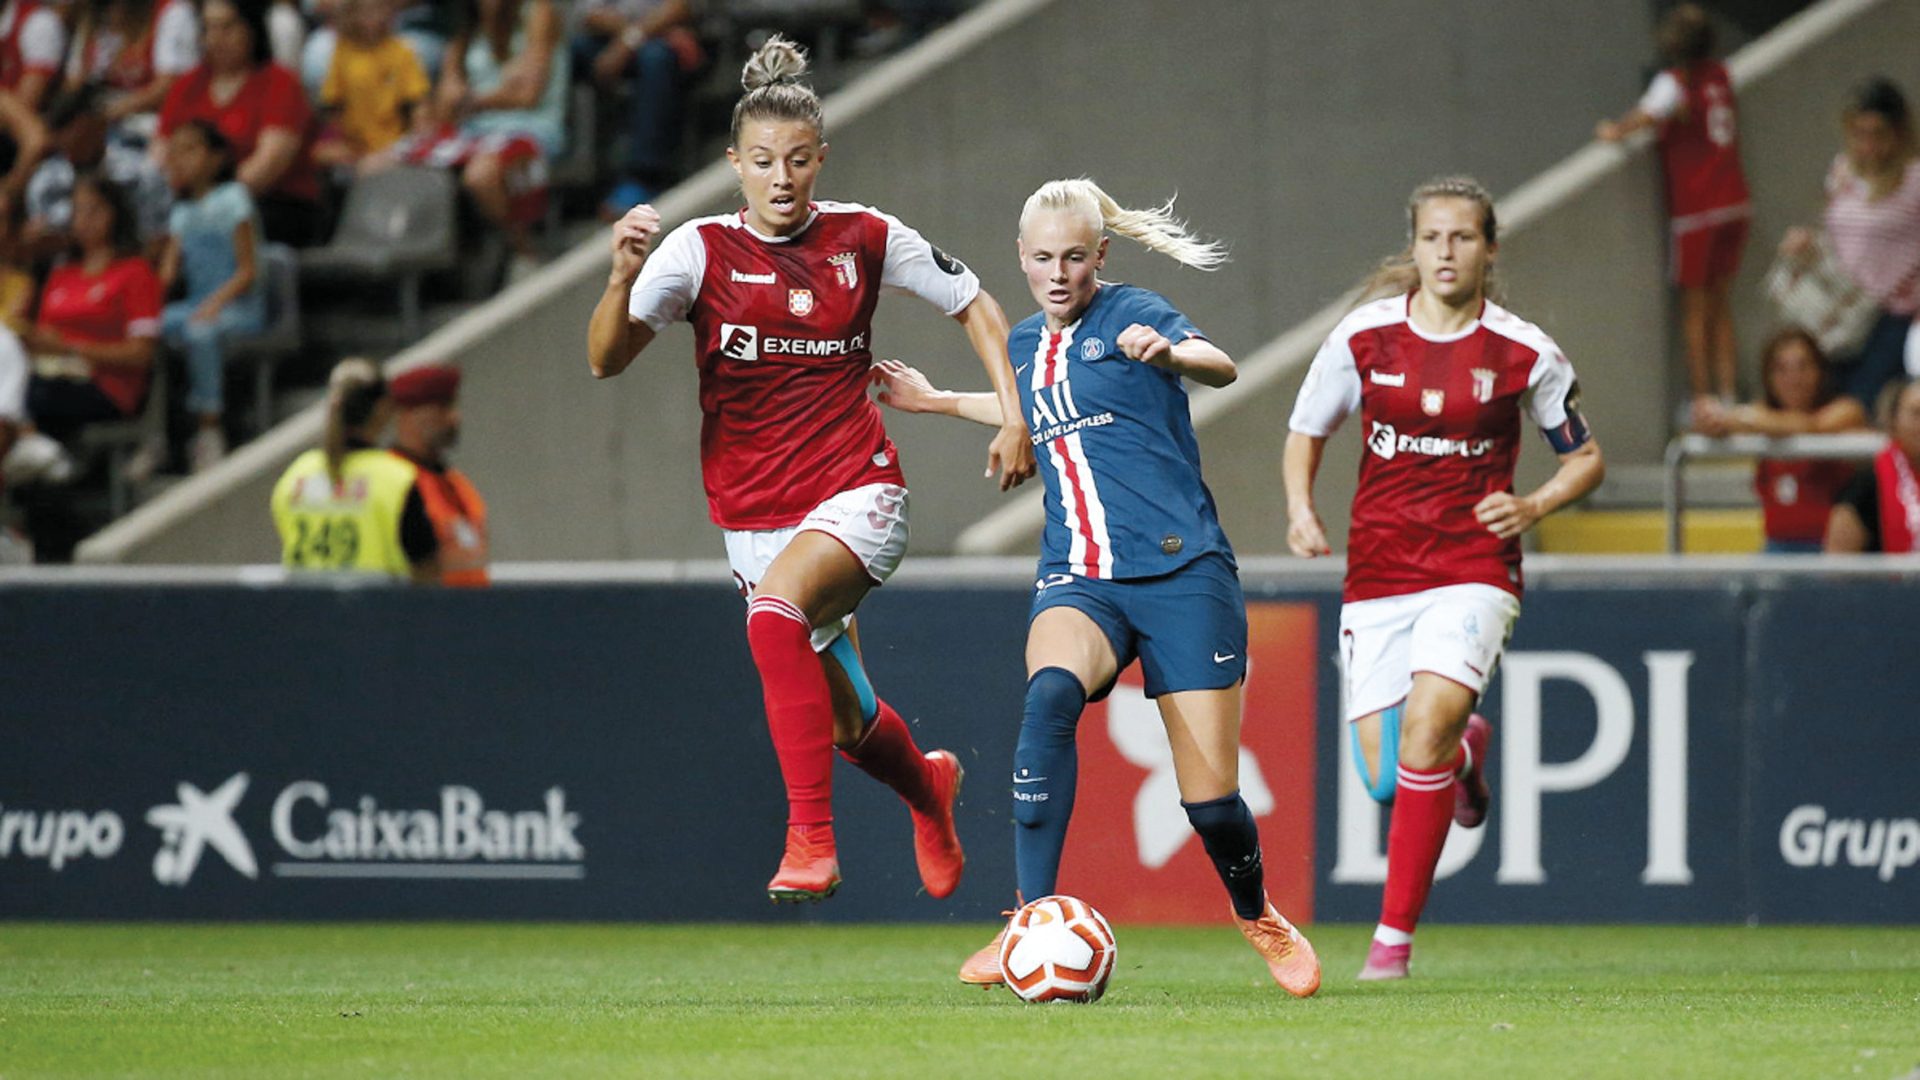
(1292,130)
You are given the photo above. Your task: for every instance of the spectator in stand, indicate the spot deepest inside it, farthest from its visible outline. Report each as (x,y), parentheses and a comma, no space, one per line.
(99,318)
(425,28)
(17,282)
(133,50)
(374,88)
(1880,510)
(259,107)
(23,140)
(80,144)
(1873,224)
(1799,398)
(214,246)
(286,33)
(645,49)
(1692,104)
(502,103)
(426,424)
(33,43)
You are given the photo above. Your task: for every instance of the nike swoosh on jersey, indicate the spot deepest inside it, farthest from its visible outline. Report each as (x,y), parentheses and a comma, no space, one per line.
(1028,779)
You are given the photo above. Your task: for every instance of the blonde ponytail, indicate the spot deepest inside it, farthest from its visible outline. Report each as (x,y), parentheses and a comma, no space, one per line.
(771,79)
(1155,229)
(354,393)
(1397,275)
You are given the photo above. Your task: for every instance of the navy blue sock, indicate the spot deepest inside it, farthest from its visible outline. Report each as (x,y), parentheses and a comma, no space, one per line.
(1232,841)
(1045,769)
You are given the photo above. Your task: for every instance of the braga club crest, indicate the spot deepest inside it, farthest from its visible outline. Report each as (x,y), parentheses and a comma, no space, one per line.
(846,269)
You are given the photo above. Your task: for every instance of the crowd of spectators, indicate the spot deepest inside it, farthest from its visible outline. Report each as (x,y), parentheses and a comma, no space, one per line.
(153,153)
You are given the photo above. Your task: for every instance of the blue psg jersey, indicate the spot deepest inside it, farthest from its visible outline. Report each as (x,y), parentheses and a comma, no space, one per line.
(1114,443)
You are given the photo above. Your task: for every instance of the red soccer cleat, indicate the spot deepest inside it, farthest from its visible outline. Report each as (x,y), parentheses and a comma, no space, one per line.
(810,869)
(1471,796)
(1386,961)
(1289,956)
(936,843)
(982,969)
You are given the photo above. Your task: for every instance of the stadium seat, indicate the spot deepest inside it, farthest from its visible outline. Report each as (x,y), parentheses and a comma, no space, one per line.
(396,225)
(280,338)
(119,439)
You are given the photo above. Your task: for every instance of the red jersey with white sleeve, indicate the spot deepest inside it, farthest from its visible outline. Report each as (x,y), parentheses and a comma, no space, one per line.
(33,40)
(1699,144)
(1443,432)
(783,335)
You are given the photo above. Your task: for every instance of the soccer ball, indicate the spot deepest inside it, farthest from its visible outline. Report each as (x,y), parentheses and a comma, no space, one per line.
(1058,948)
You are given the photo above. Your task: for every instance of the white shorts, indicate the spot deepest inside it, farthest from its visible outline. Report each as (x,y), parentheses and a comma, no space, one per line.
(1456,632)
(871,521)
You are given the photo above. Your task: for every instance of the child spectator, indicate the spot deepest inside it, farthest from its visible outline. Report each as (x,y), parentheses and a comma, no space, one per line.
(1798,398)
(1692,103)
(374,87)
(1880,510)
(134,50)
(80,144)
(213,245)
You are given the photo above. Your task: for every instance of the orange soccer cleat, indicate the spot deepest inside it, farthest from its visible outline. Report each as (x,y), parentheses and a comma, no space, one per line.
(936,843)
(1289,956)
(982,969)
(810,869)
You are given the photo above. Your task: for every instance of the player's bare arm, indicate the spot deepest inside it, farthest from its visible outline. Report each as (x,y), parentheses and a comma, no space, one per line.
(1195,358)
(906,388)
(1011,452)
(1507,515)
(1299,464)
(614,338)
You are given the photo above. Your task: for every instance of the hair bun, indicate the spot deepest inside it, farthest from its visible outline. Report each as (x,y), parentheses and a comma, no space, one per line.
(776,62)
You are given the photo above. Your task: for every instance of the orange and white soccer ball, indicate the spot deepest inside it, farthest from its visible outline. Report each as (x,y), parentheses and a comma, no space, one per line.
(1058,948)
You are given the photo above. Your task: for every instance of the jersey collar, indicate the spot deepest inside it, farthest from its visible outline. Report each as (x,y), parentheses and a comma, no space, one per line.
(1460,334)
(813,215)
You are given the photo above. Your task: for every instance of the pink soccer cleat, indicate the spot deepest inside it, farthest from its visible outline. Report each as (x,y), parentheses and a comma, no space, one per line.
(810,869)
(1290,958)
(1471,796)
(936,843)
(1386,961)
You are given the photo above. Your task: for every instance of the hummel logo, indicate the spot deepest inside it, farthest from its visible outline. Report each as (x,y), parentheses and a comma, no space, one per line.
(1219,659)
(752,279)
(1385,378)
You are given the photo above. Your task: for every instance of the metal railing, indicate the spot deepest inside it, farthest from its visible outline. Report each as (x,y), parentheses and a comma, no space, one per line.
(1854,446)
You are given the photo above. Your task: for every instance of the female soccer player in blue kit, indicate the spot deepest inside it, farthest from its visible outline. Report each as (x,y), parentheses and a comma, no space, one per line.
(1133,562)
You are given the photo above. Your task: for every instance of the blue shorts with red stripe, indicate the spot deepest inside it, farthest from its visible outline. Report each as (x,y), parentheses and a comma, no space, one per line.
(1187,628)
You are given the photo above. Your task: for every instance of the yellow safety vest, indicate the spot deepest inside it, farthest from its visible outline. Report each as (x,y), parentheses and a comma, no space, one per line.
(352,525)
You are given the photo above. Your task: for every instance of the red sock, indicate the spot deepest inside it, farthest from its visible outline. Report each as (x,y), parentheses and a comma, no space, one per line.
(1422,813)
(799,706)
(888,754)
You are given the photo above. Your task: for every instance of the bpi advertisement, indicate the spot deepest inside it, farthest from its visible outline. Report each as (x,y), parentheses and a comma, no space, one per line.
(1710,752)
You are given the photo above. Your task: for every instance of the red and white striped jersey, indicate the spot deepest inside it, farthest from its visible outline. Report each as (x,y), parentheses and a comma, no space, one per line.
(1699,145)
(783,335)
(1877,240)
(1443,432)
(32,39)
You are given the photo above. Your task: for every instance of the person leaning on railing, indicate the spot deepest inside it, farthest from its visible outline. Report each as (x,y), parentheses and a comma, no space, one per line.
(1880,510)
(1798,398)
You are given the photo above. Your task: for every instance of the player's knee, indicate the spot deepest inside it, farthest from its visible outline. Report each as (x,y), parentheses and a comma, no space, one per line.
(772,622)
(1055,699)
(1224,815)
(1429,741)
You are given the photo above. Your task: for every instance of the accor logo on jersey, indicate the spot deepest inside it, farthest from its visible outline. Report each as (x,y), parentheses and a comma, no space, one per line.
(1055,414)
(747,344)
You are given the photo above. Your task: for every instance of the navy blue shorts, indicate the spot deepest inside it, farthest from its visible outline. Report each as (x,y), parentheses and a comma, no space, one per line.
(1188,628)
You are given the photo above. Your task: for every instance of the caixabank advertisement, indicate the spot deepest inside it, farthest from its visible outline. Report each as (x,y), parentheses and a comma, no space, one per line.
(1692,751)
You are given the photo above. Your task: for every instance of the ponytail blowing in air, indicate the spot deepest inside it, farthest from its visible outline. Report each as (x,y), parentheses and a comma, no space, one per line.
(1156,228)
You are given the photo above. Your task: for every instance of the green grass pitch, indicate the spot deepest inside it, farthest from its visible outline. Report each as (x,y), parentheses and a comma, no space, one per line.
(1492,1003)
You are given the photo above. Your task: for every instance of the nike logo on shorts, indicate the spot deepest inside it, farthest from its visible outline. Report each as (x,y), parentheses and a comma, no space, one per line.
(1219,659)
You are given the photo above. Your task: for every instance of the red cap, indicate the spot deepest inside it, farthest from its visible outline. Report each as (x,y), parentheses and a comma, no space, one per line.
(432,384)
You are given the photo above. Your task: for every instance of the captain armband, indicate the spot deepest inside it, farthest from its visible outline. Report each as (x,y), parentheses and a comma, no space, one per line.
(1572,433)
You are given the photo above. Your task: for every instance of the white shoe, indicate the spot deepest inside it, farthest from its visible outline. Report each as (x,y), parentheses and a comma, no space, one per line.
(146,460)
(37,459)
(209,446)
